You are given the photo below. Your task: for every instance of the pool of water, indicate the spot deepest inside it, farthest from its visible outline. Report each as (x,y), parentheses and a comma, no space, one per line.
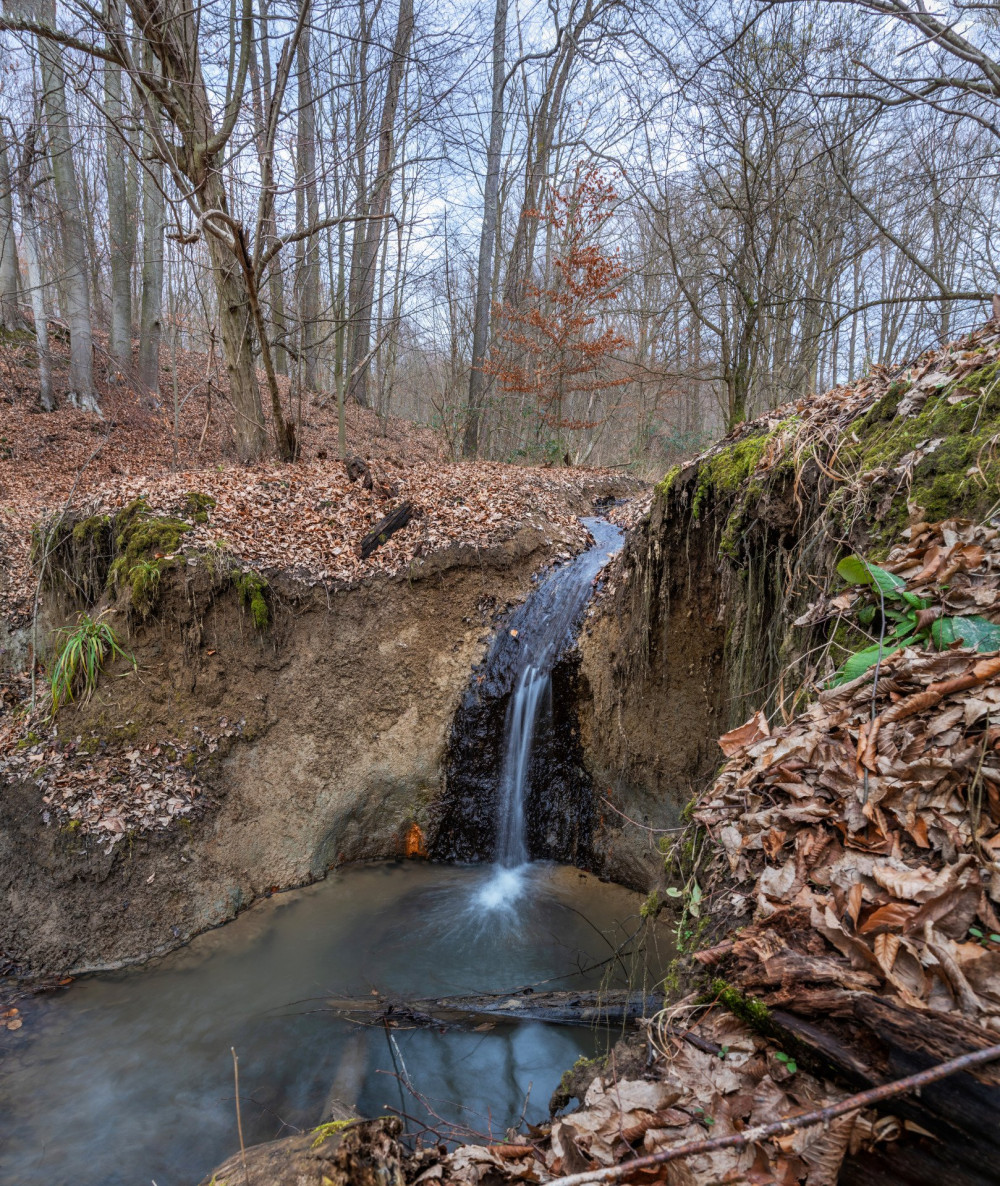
(127,1079)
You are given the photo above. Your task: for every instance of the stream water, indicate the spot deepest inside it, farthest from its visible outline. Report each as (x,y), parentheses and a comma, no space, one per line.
(515,785)
(541,629)
(127,1079)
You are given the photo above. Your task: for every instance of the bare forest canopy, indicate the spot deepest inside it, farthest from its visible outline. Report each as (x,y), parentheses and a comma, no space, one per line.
(595,230)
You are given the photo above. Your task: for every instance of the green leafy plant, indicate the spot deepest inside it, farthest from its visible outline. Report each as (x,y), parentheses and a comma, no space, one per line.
(790,1064)
(987,941)
(84,651)
(907,619)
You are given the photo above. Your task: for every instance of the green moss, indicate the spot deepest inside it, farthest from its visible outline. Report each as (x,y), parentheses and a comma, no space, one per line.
(749,1010)
(16,337)
(663,486)
(728,471)
(252,588)
(651,907)
(672,985)
(146,545)
(724,472)
(985,377)
(566,1083)
(95,531)
(197,506)
(325,1131)
(959,477)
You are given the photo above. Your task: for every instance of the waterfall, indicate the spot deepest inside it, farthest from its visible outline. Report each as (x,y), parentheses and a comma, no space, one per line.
(523,656)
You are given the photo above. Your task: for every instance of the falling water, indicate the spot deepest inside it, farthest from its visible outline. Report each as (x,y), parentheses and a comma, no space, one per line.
(533,639)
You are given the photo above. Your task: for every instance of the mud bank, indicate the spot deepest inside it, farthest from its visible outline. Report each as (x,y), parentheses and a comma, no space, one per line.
(328,735)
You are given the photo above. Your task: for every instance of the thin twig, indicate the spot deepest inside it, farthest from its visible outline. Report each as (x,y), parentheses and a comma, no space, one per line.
(239,1121)
(628,819)
(750,1136)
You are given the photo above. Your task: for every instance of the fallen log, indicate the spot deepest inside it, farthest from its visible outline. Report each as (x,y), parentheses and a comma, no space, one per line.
(592,1007)
(872,1041)
(392,523)
(786,1126)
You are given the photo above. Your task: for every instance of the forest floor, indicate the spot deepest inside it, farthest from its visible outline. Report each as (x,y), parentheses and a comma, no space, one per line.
(306,518)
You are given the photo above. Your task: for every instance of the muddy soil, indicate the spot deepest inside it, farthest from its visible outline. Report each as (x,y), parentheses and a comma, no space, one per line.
(340,714)
(651,691)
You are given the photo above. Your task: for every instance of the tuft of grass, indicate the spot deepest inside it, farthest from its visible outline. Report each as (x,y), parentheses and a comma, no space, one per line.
(85,649)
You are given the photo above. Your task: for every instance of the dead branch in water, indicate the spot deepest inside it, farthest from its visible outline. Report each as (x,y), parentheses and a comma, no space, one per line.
(588,1007)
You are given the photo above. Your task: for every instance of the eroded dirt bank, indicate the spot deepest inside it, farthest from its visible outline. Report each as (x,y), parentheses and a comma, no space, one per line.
(651,687)
(317,741)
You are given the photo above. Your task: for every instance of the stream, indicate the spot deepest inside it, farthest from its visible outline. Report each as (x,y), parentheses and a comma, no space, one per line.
(127,1079)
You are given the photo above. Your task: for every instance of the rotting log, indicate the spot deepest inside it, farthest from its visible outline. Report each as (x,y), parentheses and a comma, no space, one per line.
(393,522)
(362,1153)
(592,1007)
(878,1041)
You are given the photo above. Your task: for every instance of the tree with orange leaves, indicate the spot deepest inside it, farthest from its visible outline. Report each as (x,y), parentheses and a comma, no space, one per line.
(551,348)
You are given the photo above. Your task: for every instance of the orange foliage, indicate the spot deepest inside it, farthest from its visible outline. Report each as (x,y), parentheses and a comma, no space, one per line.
(549,347)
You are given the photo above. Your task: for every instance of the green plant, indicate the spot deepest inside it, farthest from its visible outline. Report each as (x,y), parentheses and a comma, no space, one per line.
(987,941)
(906,618)
(81,658)
(144,581)
(790,1064)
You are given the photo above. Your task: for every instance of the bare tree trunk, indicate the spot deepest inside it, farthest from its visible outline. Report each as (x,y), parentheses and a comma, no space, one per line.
(121,222)
(236,326)
(261,79)
(361,103)
(11,319)
(372,230)
(307,208)
(151,301)
(75,285)
(36,279)
(491,203)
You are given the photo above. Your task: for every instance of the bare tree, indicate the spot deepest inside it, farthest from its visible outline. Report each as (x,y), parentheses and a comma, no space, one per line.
(487,237)
(10,312)
(376,205)
(39,16)
(121,217)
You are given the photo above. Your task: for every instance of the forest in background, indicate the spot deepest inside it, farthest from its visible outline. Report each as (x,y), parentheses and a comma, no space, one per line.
(601,231)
